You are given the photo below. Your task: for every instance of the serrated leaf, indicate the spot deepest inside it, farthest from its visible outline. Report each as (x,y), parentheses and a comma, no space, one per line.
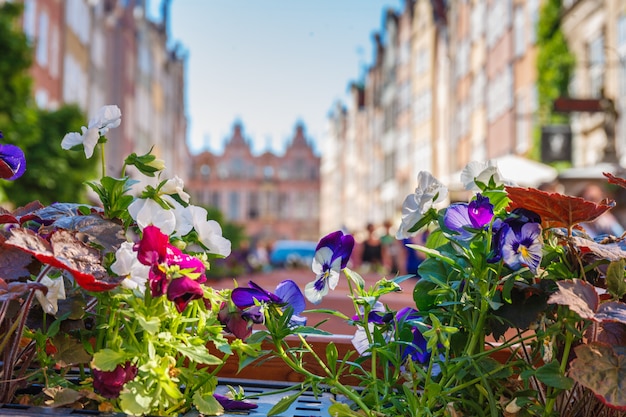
(556,210)
(65,251)
(310,330)
(207,404)
(613,311)
(199,354)
(602,369)
(580,296)
(107,359)
(331,357)
(283,404)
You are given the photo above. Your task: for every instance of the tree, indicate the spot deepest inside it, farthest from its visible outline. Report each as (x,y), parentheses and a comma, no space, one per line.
(52,174)
(555,62)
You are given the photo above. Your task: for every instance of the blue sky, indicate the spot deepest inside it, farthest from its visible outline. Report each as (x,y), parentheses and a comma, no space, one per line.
(270,64)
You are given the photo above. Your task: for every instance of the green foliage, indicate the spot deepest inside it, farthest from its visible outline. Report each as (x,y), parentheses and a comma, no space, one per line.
(53,174)
(555,62)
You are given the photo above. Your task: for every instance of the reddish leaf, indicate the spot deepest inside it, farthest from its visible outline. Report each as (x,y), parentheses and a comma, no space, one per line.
(612,333)
(613,311)
(20,214)
(610,251)
(66,252)
(14,263)
(102,232)
(602,369)
(580,296)
(615,180)
(556,210)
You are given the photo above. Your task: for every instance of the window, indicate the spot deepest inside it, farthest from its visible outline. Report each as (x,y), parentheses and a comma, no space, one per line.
(268,172)
(533,12)
(519,23)
(205,170)
(42,40)
(233,205)
(253,205)
(596,66)
(478,18)
(499,19)
(500,94)
(29,18)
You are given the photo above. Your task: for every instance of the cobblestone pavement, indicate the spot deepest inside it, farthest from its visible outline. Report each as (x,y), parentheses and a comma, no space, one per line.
(336,300)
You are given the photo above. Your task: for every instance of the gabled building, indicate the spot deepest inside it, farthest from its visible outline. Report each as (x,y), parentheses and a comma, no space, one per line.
(273,196)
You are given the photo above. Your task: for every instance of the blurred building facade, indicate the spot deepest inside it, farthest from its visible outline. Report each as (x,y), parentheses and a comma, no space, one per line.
(456,81)
(94,53)
(273,196)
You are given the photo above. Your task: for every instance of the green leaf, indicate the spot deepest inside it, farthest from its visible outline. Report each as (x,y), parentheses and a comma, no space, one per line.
(150,325)
(331,357)
(424,300)
(551,375)
(107,359)
(283,404)
(326,311)
(199,354)
(207,404)
(342,410)
(310,330)
(134,400)
(615,278)
(355,278)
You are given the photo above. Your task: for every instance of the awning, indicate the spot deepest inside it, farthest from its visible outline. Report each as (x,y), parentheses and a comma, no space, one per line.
(516,169)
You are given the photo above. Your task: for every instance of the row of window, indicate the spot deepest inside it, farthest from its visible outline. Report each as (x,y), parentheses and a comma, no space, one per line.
(240,206)
(298,170)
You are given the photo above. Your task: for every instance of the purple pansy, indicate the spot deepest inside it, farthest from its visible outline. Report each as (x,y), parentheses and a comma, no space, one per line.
(250,305)
(517,240)
(12,162)
(228,404)
(462,218)
(416,348)
(331,256)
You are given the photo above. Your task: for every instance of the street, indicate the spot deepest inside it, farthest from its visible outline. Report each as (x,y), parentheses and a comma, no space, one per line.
(337,300)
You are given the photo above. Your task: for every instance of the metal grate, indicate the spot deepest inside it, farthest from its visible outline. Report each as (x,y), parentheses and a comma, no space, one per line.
(307,405)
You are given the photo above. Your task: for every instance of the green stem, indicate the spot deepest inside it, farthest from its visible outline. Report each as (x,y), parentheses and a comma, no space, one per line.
(569,339)
(103,160)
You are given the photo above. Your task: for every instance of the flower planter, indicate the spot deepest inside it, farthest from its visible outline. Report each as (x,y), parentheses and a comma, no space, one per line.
(260,391)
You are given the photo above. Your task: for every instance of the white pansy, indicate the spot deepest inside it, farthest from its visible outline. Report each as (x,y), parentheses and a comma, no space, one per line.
(128,266)
(175,186)
(146,211)
(209,231)
(184,220)
(429,191)
(106,118)
(482,172)
(56,292)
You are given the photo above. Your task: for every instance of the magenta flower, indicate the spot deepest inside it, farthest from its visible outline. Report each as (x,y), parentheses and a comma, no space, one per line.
(109,384)
(172,272)
(12,162)
(228,404)
(463,219)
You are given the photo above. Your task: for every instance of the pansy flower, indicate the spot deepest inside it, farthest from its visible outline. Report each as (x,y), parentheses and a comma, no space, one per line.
(109,384)
(230,404)
(462,218)
(251,304)
(482,172)
(415,348)
(331,256)
(172,272)
(12,162)
(106,118)
(429,192)
(518,241)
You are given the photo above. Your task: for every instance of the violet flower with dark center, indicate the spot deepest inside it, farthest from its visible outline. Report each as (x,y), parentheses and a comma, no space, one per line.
(517,240)
(331,256)
(252,301)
